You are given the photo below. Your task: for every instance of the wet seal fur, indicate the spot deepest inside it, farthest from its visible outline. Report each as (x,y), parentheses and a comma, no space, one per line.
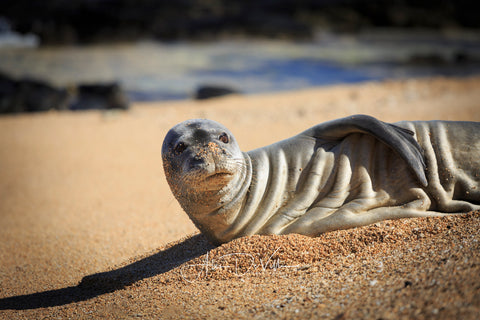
(339,174)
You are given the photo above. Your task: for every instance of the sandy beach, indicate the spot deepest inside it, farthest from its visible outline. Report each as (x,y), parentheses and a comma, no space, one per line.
(89,228)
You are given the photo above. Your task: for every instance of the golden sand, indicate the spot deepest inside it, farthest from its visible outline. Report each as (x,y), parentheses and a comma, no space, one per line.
(90,229)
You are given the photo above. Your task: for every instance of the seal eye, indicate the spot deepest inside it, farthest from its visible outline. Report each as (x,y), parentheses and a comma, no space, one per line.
(180,147)
(223,137)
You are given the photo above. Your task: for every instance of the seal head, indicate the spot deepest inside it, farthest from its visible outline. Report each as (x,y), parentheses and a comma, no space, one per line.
(204,166)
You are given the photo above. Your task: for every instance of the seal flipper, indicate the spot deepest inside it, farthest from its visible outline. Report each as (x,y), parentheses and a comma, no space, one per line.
(401,140)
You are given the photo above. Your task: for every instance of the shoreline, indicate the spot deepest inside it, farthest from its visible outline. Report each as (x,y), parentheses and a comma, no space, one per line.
(155,71)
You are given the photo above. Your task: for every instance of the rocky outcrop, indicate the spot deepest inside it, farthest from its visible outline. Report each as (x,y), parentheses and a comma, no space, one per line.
(213,91)
(100,96)
(31,95)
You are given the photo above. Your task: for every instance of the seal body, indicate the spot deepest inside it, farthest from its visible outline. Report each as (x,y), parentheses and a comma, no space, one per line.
(341,174)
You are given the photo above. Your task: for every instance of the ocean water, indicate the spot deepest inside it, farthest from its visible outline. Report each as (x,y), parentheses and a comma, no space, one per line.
(152,71)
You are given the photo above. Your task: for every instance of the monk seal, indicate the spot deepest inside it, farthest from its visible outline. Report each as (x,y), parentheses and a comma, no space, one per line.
(339,174)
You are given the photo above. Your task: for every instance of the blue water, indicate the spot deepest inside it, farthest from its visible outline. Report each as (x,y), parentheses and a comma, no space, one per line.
(152,71)
(270,76)
(291,74)
(284,75)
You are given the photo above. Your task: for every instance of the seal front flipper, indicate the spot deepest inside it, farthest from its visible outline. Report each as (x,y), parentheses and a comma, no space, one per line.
(399,139)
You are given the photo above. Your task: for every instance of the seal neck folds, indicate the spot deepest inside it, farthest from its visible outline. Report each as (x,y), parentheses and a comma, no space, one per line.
(213,199)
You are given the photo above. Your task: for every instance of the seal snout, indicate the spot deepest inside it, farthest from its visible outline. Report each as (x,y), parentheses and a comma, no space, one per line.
(198,161)
(204,158)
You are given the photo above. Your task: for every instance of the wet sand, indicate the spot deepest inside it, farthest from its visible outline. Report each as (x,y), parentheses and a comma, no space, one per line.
(89,228)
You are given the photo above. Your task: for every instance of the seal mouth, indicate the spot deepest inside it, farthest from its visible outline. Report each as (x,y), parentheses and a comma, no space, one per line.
(219,176)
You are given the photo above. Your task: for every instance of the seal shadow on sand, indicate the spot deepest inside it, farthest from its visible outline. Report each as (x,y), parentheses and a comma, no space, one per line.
(106,282)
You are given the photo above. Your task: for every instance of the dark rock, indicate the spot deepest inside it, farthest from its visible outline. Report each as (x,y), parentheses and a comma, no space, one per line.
(30,95)
(462,57)
(8,88)
(211,91)
(100,96)
(36,95)
(426,59)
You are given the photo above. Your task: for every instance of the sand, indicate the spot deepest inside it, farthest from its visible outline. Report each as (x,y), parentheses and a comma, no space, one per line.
(89,228)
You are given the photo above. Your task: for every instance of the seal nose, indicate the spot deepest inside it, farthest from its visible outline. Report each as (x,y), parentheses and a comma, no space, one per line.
(197,161)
